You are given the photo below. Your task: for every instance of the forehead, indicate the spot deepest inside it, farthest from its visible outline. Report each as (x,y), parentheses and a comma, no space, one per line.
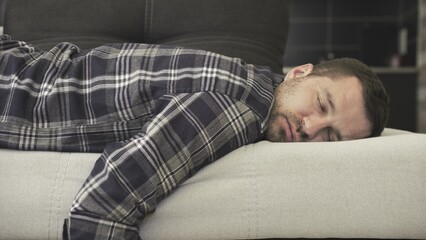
(345,95)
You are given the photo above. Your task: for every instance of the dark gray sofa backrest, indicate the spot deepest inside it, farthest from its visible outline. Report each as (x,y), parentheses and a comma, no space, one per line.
(2,2)
(254,30)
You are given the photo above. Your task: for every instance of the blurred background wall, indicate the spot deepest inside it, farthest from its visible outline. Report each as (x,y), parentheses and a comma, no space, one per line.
(381,33)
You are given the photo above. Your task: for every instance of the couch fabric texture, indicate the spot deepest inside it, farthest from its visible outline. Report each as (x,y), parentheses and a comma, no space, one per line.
(369,188)
(253,30)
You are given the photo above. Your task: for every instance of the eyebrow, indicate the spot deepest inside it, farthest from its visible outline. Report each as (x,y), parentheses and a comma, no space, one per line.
(332,103)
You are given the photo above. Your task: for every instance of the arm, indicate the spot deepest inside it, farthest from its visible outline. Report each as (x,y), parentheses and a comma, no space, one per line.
(187,132)
(7,43)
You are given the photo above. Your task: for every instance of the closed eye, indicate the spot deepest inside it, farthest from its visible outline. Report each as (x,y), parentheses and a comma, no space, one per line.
(322,107)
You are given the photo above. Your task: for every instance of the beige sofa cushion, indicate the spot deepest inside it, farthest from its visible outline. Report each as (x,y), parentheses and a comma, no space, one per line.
(370,188)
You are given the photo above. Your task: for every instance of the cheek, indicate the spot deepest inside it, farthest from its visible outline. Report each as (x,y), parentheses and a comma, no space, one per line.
(297,97)
(301,104)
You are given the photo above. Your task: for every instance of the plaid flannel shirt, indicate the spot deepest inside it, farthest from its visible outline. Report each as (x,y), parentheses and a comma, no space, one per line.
(157,113)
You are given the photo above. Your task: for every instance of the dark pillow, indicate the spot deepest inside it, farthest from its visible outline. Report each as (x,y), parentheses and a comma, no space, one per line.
(254,30)
(49,21)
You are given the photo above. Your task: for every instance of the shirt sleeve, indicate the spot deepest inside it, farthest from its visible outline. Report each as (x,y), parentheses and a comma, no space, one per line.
(7,43)
(187,132)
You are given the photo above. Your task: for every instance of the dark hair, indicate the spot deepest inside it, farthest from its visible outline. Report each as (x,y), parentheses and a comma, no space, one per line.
(376,100)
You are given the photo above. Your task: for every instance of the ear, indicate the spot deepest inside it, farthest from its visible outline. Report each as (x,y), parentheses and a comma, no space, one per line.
(299,71)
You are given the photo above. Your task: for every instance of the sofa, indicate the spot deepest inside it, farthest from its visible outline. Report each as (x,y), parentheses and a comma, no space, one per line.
(253,30)
(368,188)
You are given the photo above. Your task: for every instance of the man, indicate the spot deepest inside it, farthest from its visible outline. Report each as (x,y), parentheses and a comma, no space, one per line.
(159,113)
(336,100)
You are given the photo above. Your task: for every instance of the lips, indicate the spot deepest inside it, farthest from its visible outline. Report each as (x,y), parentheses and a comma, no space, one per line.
(290,131)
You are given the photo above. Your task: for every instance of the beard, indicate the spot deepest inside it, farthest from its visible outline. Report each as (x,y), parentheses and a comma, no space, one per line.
(276,133)
(279,113)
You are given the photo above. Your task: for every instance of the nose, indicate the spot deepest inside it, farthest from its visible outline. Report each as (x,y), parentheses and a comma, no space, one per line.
(315,128)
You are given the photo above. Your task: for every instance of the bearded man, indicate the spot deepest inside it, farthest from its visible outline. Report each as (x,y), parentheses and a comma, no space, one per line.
(159,113)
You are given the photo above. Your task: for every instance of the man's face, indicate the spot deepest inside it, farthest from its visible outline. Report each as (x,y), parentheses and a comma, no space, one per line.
(313,108)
